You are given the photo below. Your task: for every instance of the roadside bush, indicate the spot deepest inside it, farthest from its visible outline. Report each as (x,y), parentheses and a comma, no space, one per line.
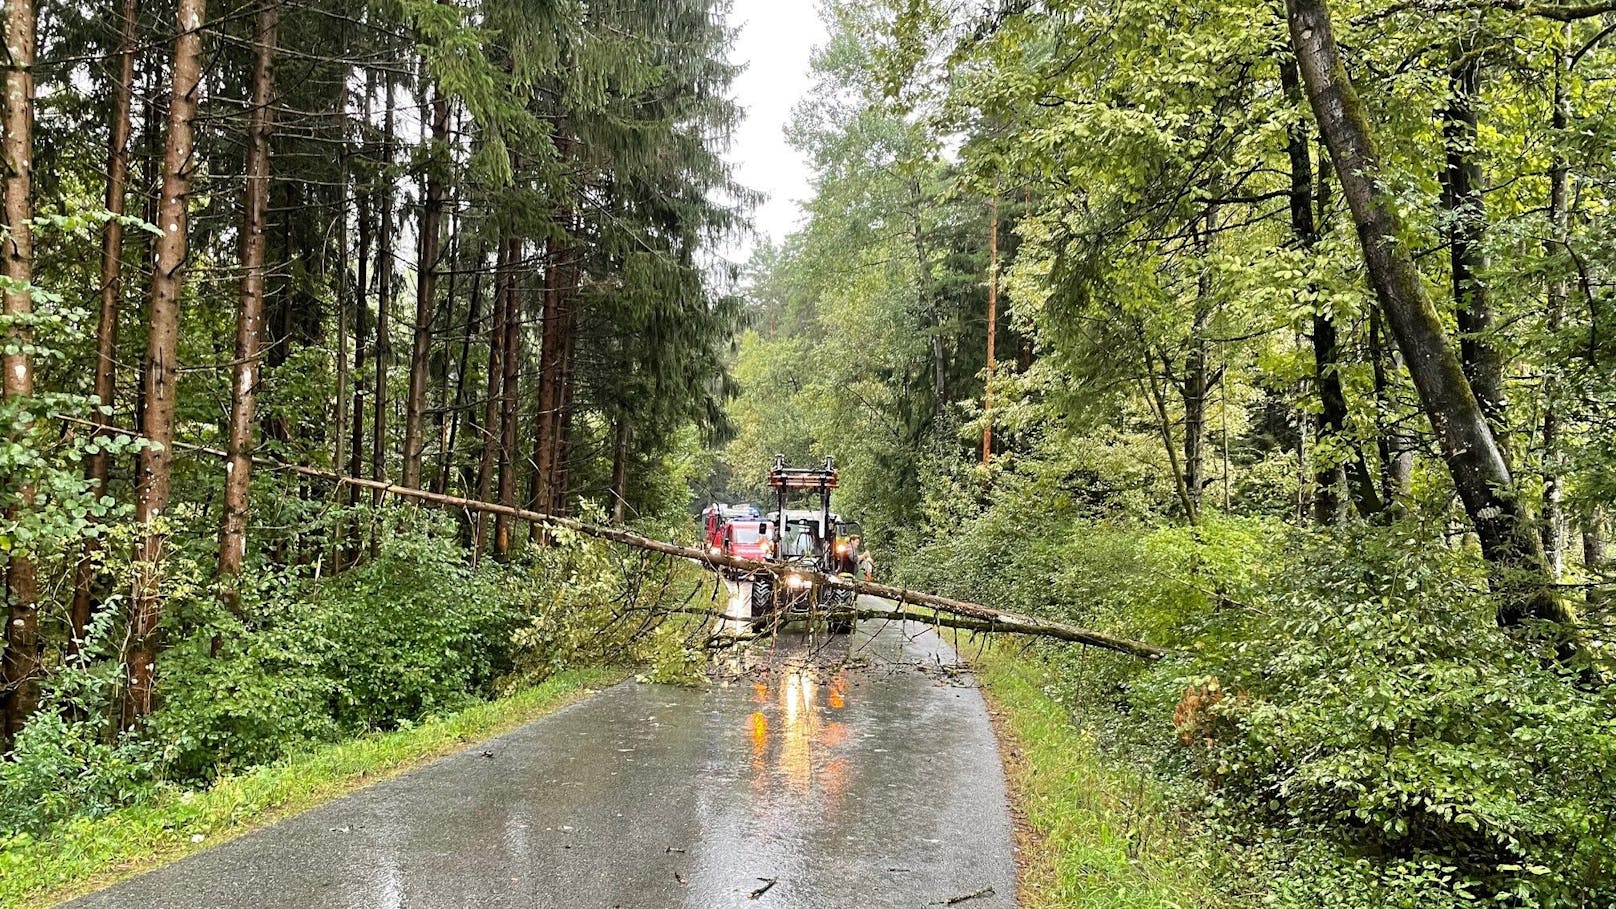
(1388,745)
(1347,712)
(411,633)
(61,768)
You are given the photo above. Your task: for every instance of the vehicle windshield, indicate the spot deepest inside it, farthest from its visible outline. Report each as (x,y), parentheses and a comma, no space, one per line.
(799,539)
(745,533)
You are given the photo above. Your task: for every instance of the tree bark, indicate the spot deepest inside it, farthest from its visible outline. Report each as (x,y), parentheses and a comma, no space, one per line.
(384,296)
(1330,478)
(561,456)
(1474,458)
(250,315)
(620,468)
(509,410)
(426,290)
(474,315)
(488,432)
(1554,519)
(1194,390)
(20,695)
(928,305)
(1466,219)
(993,330)
(97,466)
(161,366)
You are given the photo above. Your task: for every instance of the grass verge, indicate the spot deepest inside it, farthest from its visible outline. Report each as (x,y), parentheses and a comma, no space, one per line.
(84,855)
(1090,834)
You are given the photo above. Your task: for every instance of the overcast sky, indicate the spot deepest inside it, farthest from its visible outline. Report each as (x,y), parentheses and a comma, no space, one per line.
(775,40)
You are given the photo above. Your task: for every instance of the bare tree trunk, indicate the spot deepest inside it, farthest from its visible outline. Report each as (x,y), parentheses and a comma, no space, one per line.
(161,366)
(561,457)
(620,469)
(384,299)
(250,316)
(1396,449)
(426,290)
(1194,390)
(22,659)
(356,442)
(1467,218)
(541,490)
(344,281)
(928,304)
(1554,520)
(993,330)
(492,406)
(97,466)
(509,411)
(1330,479)
(474,317)
(1164,423)
(1474,458)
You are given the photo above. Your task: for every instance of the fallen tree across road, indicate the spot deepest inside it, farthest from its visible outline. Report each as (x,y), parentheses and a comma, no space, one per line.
(984,618)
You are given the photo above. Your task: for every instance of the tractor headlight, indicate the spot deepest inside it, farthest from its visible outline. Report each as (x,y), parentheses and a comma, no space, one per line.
(797,582)
(841,549)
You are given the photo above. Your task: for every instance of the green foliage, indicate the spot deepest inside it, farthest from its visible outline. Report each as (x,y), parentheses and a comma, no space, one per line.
(1103,834)
(1385,744)
(1360,731)
(411,634)
(168,822)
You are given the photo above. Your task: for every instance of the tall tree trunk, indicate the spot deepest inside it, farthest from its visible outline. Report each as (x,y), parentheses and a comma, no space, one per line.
(488,432)
(561,455)
(250,315)
(1474,458)
(22,659)
(1554,520)
(1331,424)
(1196,381)
(1396,448)
(509,411)
(384,297)
(1467,218)
(993,330)
(474,315)
(161,366)
(620,468)
(344,279)
(426,290)
(367,229)
(552,358)
(97,466)
(929,305)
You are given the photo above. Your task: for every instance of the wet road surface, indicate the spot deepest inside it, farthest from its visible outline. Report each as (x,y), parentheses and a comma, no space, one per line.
(851,772)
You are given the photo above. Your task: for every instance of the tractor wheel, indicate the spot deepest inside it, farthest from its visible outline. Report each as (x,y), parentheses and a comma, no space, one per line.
(762,605)
(841,624)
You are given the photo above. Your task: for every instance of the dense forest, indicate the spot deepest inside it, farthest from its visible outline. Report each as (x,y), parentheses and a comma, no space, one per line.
(464,247)
(1279,334)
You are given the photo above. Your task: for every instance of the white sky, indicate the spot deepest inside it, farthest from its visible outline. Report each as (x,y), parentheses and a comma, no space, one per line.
(775,40)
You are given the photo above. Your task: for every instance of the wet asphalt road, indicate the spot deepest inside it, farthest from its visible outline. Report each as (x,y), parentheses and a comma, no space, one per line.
(851,772)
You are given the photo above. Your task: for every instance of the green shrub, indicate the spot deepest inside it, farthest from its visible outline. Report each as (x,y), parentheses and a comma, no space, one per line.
(1379,735)
(61,768)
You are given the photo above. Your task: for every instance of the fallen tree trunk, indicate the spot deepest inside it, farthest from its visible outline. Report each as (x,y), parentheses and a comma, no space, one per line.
(985,618)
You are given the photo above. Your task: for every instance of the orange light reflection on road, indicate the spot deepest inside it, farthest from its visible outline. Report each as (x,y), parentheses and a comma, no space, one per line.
(805,741)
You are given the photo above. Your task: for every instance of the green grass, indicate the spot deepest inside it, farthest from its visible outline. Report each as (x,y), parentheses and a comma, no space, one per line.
(1092,835)
(79,856)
